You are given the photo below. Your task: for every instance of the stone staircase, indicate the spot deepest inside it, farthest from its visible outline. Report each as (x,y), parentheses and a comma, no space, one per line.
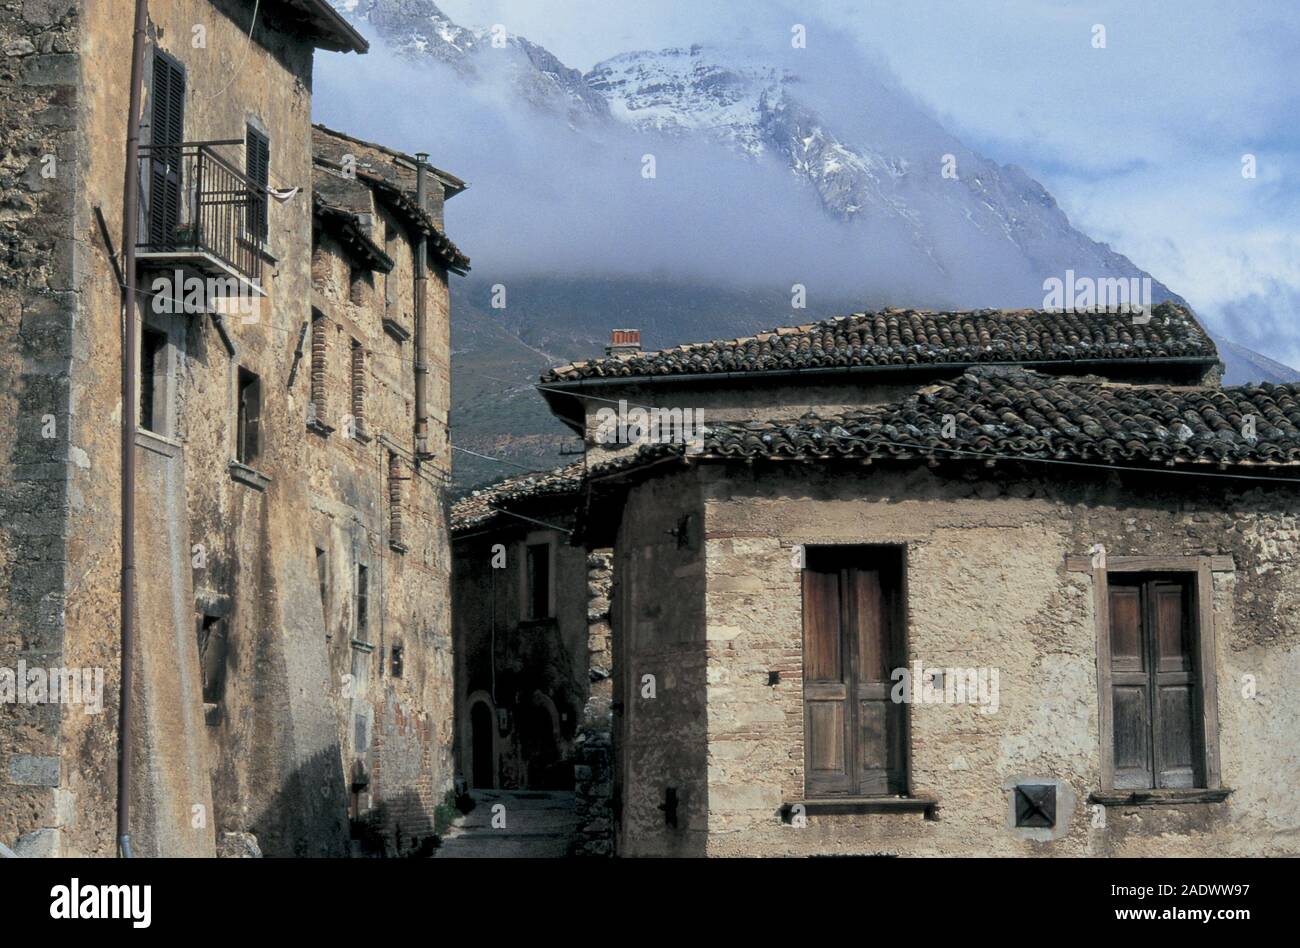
(507,824)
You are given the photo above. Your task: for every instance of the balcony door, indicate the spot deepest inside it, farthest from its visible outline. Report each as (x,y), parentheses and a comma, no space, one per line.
(167,132)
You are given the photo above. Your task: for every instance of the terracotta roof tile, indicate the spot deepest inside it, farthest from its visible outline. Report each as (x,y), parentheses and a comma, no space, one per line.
(916,337)
(481,507)
(1021,414)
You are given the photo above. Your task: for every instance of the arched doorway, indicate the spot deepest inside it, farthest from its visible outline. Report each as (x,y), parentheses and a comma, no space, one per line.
(482,725)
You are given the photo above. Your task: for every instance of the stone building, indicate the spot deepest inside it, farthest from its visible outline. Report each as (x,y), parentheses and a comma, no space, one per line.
(519,614)
(994,610)
(292,644)
(378,469)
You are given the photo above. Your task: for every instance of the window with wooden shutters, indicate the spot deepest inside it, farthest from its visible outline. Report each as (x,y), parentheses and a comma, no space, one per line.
(249,420)
(854,735)
(257,167)
(167,132)
(1155,682)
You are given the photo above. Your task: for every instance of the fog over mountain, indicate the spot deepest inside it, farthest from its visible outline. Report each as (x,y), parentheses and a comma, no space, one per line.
(710,178)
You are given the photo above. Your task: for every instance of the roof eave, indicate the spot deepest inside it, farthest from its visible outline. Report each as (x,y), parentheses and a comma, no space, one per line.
(332,31)
(669,378)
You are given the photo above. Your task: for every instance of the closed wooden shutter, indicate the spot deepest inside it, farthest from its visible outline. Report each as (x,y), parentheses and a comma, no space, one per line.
(1130,684)
(854,731)
(1175,735)
(1154,683)
(257,167)
(825,689)
(167,132)
(875,655)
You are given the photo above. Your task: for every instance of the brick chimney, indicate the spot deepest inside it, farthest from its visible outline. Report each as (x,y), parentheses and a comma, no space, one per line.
(623,342)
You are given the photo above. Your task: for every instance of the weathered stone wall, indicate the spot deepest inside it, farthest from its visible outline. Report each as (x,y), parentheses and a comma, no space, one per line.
(83,59)
(42,150)
(267,753)
(987,585)
(661,784)
(593,772)
(376,504)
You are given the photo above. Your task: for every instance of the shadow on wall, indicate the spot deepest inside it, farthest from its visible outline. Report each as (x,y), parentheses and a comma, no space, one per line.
(307,816)
(413,836)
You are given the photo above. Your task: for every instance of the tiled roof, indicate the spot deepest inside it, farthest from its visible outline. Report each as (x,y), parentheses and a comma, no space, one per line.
(482,506)
(1020,414)
(904,337)
(334,207)
(379,168)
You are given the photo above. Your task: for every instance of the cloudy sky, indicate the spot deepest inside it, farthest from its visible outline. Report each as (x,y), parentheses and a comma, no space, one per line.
(1141,142)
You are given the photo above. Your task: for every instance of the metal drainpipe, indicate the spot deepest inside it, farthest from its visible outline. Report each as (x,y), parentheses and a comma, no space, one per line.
(421,288)
(130,228)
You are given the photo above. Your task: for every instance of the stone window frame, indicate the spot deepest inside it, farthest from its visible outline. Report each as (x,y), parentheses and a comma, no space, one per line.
(1201,569)
(166,399)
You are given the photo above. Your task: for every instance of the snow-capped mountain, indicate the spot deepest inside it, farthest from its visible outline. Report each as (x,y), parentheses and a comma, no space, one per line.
(915,174)
(418,29)
(872,155)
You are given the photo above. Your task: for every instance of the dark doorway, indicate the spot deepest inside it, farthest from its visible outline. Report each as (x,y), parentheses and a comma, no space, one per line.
(546,771)
(481,739)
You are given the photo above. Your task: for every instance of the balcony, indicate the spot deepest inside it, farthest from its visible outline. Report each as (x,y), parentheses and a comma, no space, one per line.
(197,210)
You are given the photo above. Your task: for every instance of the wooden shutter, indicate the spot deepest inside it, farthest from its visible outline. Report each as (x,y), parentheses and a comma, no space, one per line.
(1175,735)
(1130,686)
(827,756)
(257,167)
(539,580)
(854,733)
(1154,683)
(874,655)
(167,132)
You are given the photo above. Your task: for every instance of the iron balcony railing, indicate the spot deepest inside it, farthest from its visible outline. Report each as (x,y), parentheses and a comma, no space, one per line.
(194,201)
